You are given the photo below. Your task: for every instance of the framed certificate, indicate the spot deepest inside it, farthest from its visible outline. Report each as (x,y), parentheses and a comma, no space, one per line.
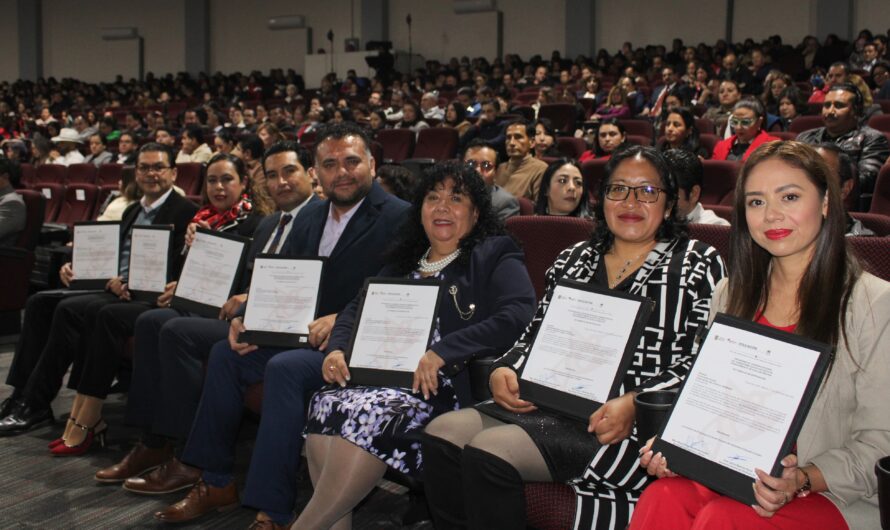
(149,261)
(582,348)
(393,330)
(282,301)
(211,271)
(96,254)
(742,405)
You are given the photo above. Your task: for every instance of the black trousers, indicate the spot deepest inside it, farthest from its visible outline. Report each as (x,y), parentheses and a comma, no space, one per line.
(66,334)
(32,339)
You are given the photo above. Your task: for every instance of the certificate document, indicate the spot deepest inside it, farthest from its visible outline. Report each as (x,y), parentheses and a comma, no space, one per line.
(149,261)
(96,255)
(393,330)
(282,301)
(583,346)
(742,405)
(210,273)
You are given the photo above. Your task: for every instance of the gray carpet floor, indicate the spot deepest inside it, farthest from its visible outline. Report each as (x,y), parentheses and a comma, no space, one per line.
(39,491)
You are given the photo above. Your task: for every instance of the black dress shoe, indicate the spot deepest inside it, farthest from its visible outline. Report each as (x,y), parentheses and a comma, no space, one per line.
(24,417)
(8,406)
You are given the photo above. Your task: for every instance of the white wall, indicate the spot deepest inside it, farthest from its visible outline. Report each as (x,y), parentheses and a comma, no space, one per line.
(9,59)
(72,46)
(871,14)
(645,22)
(240,40)
(758,19)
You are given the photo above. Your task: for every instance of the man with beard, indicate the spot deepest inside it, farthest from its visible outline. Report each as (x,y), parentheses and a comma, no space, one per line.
(352,228)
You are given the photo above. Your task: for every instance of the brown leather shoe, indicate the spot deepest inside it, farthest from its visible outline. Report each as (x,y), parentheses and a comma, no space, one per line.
(139,460)
(262,522)
(172,476)
(201,499)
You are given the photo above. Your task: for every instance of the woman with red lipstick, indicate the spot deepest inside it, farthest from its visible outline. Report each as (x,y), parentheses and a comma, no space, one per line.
(563,191)
(747,121)
(791,270)
(477,460)
(229,211)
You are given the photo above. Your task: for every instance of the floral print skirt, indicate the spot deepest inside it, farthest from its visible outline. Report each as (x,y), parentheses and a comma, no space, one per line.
(386,422)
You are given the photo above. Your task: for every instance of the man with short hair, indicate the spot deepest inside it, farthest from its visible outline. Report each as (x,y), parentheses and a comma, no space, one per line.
(163,136)
(867,147)
(521,174)
(375,99)
(429,104)
(838,74)
(350,228)
(60,325)
(84,131)
(842,169)
(687,168)
(193,147)
(483,156)
(250,121)
(126,150)
(880,76)
(13,213)
(669,80)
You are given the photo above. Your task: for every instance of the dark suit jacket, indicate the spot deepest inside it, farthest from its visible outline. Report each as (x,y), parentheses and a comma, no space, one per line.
(177,211)
(360,249)
(496,281)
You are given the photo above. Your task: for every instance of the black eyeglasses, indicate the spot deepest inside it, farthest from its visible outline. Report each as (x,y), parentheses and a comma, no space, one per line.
(484,165)
(146,168)
(620,192)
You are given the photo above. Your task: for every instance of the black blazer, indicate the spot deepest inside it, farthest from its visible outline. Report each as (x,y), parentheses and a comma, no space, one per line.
(496,281)
(177,211)
(360,249)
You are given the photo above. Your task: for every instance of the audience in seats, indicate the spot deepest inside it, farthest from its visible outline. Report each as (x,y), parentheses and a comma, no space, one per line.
(680,132)
(66,146)
(126,150)
(429,103)
(165,136)
(193,147)
(16,150)
(412,119)
(13,212)
(228,210)
(563,191)
(610,137)
(521,173)
(483,157)
(59,325)
(746,122)
(688,170)
(99,153)
(615,106)
(843,170)
(250,150)
(171,346)
(473,254)
(728,94)
(545,139)
(476,460)
(868,148)
(837,75)
(396,180)
(456,118)
(791,105)
(488,126)
(352,229)
(830,482)
(118,200)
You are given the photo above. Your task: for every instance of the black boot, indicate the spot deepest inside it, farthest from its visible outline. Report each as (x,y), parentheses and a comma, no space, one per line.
(494,491)
(443,483)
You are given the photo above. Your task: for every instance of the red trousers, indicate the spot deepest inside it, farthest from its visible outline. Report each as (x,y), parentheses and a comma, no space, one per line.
(682,504)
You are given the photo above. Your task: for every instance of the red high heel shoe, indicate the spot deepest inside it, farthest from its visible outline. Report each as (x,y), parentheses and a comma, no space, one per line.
(59,441)
(93,433)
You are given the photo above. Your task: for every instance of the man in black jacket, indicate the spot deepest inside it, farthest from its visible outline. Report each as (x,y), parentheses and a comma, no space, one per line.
(41,357)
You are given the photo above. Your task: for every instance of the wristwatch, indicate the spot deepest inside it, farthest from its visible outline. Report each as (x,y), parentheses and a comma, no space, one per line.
(804,490)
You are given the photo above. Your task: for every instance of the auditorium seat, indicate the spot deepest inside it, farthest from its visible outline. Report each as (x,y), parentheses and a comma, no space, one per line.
(571,147)
(639,127)
(562,116)
(109,174)
(877,223)
(639,139)
(805,123)
(880,200)
(51,173)
(873,254)
(54,194)
(715,235)
(439,143)
(190,177)
(79,203)
(593,171)
(398,144)
(718,182)
(705,126)
(543,237)
(525,110)
(29,176)
(17,262)
(784,135)
(549,505)
(81,174)
(880,122)
(708,141)
(526,206)
(35,209)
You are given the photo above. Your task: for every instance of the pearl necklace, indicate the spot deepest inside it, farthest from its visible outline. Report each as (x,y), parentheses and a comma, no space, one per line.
(425,266)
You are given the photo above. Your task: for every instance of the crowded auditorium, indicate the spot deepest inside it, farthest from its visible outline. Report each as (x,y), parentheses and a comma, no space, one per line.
(452,264)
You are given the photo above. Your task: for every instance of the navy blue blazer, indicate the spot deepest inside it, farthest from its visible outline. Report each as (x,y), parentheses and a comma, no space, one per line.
(496,281)
(359,251)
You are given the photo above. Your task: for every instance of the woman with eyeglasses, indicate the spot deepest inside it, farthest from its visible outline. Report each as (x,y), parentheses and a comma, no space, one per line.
(477,460)
(746,120)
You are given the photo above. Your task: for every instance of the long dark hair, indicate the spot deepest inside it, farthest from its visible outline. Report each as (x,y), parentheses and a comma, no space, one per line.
(543,202)
(822,310)
(674,227)
(692,143)
(412,241)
